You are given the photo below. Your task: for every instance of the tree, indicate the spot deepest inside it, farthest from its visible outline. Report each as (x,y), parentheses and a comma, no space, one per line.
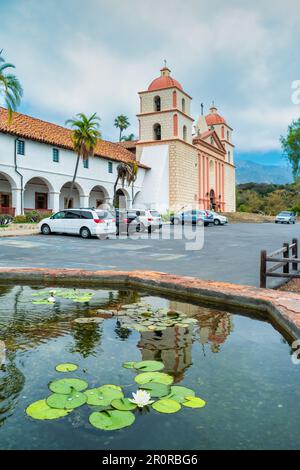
(84,136)
(121,122)
(128,138)
(291,147)
(126,172)
(10,87)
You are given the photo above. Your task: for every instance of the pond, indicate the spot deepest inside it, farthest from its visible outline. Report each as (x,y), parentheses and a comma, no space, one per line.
(238,364)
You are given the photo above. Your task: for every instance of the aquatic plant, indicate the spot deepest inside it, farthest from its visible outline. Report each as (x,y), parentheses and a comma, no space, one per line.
(110,409)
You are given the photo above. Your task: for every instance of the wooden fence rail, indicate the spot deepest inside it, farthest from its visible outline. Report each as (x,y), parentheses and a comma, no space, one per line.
(289,252)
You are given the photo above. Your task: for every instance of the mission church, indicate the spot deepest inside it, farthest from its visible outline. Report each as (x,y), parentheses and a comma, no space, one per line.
(183,163)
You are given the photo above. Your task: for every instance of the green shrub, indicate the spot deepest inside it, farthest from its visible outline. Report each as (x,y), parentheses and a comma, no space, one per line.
(166,216)
(5,220)
(20,219)
(33,216)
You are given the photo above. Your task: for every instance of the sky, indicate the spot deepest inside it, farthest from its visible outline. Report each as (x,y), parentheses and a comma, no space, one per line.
(95,55)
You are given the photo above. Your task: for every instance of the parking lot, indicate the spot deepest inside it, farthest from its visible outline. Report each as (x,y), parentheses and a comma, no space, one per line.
(230,253)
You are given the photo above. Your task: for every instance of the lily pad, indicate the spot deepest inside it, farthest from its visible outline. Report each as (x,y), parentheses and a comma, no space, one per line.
(194,402)
(156,390)
(111,420)
(158,377)
(66,402)
(65,386)
(129,365)
(179,393)
(89,320)
(166,405)
(149,366)
(104,395)
(66,367)
(42,302)
(123,404)
(41,410)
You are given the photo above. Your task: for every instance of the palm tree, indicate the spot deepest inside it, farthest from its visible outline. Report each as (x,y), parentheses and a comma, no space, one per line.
(126,172)
(128,138)
(122,123)
(84,136)
(10,87)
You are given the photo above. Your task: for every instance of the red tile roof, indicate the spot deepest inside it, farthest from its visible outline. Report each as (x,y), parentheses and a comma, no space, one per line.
(31,128)
(164,81)
(214,118)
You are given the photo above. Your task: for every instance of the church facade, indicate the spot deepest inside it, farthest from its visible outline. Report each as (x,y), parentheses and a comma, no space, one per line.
(183,164)
(192,162)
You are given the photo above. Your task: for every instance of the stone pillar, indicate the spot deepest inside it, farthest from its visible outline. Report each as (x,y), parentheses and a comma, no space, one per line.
(54,201)
(17,200)
(85,200)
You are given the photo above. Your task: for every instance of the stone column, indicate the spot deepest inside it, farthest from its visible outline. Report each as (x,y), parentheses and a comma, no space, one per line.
(54,201)
(85,200)
(17,200)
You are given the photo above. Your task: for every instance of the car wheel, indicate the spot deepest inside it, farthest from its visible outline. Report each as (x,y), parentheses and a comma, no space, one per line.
(276,221)
(217,222)
(45,229)
(85,233)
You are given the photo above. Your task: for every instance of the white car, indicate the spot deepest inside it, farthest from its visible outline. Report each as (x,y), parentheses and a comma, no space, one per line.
(83,222)
(148,219)
(218,218)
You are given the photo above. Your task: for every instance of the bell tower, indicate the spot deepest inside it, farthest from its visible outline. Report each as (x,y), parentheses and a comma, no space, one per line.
(165,110)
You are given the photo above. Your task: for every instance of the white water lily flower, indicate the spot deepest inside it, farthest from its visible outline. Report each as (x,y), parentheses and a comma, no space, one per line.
(51,299)
(141,398)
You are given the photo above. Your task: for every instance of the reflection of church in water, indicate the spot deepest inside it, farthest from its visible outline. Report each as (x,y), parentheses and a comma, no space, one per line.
(173,346)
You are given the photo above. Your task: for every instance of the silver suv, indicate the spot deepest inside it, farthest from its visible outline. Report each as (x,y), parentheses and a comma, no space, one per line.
(285,217)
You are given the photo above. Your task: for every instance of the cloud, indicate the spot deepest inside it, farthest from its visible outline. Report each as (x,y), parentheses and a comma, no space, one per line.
(75,56)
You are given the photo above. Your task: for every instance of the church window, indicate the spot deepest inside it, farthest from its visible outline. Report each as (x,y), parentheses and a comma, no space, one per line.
(222,132)
(157,132)
(184,132)
(157,103)
(228,156)
(228,136)
(183,105)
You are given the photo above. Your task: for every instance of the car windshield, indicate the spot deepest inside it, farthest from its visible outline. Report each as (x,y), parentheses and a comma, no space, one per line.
(155,213)
(104,214)
(285,213)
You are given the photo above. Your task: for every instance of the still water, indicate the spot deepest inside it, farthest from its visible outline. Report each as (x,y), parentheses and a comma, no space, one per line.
(240,366)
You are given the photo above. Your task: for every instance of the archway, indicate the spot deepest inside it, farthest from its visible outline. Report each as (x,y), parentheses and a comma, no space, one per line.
(212,198)
(121,199)
(36,194)
(74,197)
(99,197)
(6,196)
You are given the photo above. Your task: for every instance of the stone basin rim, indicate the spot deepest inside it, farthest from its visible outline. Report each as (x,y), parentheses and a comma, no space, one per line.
(282,309)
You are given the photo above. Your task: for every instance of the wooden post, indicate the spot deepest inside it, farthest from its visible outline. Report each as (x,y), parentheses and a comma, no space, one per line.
(286,267)
(295,253)
(263,269)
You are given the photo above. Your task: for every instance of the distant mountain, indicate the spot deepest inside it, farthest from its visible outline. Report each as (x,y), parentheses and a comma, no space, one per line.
(247,172)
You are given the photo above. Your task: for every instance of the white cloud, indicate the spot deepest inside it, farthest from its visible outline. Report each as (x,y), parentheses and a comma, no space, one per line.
(75,56)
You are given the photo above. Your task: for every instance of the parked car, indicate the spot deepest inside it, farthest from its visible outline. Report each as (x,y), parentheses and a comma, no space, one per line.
(83,222)
(218,218)
(285,217)
(137,220)
(192,217)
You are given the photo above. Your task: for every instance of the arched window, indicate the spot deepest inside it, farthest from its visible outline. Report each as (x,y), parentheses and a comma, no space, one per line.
(228,136)
(157,132)
(157,103)
(228,155)
(183,105)
(222,132)
(184,132)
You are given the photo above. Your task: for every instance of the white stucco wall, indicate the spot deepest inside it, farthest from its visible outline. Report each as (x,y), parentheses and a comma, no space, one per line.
(155,192)
(37,162)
